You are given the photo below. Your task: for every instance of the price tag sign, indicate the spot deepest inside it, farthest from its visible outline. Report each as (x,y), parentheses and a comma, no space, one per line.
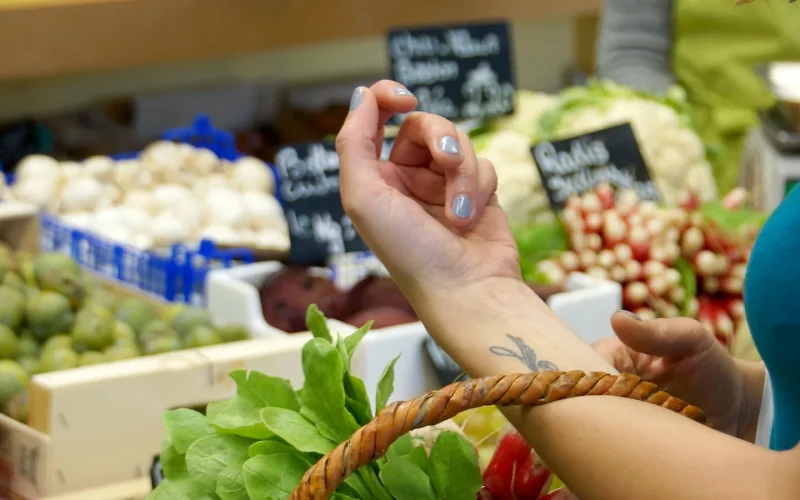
(308,179)
(458,72)
(571,166)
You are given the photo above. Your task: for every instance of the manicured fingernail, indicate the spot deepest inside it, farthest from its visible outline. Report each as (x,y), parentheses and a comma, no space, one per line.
(358,96)
(632,315)
(461,206)
(450,145)
(402,91)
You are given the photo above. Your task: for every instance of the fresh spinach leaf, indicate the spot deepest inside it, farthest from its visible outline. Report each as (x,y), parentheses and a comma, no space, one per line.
(269,447)
(356,399)
(173,463)
(406,481)
(273,477)
(293,428)
(207,456)
(385,386)
(323,399)
(351,341)
(214,407)
(317,324)
(185,426)
(401,447)
(230,482)
(453,468)
(241,415)
(419,457)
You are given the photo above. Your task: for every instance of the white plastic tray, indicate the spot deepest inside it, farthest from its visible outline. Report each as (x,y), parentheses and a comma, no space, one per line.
(233,299)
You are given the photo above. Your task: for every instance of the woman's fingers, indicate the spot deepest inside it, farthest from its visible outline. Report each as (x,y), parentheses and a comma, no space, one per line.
(424,137)
(392,98)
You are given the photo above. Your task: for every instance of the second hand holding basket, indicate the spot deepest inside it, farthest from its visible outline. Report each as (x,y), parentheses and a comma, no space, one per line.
(521,389)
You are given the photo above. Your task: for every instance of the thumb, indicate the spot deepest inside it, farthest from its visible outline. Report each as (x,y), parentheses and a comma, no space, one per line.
(356,143)
(668,338)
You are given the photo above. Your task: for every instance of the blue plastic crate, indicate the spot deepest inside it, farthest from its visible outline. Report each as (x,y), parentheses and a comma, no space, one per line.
(177,275)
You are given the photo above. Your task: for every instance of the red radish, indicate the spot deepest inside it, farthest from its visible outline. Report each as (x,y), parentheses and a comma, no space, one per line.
(639,241)
(710,285)
(655,227)
(614,229)
(738,271)
(734,306)
(689,201)
(606,259)
(664,308)
(623,252)
(672,252)
(657,253)
(645,313)
(627,198)
(618,274)
(636,219)
(635,293)
(730,285)
(588,258)
(577,241)
(590,202)
(594,242)
(705,262)
(572,220)
(597,272)
(723,324)
(678,218)
(735,199)
(697,219)
(574,203)
(569,261)
(633,270)
(512,451)
(648,208)
(677,295)
(653,268)
(692,307)
(531,479)
(705,314)
(593,222)
(722,264)
(672,234)
(551,271)
(658,285)
(605,193)
(673,277)
(692,241)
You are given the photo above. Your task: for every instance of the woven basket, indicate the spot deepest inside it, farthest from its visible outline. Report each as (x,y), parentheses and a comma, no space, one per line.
(525,389)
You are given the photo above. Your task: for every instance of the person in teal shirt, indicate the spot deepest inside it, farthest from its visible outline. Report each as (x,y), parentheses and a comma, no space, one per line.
(430,214)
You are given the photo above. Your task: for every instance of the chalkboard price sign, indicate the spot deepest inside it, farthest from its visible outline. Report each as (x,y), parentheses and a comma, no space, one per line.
(572,166)
(308,179)
(458,72)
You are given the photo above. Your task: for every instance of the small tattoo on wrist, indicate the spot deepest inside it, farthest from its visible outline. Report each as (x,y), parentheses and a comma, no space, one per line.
(524,353)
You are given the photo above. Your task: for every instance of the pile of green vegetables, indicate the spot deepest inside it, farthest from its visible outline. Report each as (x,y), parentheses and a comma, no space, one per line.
(258,444)
(55,317)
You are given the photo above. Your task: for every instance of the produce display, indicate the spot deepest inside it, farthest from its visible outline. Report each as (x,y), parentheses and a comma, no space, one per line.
(687,260)
(675,156)
(286,297)
(173,193)
(54,317)
(258,444)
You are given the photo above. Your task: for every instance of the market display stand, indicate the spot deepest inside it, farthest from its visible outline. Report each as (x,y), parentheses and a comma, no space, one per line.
(76,36)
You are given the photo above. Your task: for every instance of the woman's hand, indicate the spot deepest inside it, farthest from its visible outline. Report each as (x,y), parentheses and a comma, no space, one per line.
(430,212)
(683,358)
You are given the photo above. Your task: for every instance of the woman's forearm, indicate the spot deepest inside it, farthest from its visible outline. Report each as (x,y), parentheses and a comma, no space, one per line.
(634,43)
(603,447)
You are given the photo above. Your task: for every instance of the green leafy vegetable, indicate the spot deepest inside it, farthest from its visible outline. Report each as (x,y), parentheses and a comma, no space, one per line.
(323,400)
(270,447)
(385,386)
(316,323)
(273,477)
(351,341)
(207,456)
(185,427)
(451,452)
(230,482)
(173,463)
(295,430)
(688,283)
(538,242)
(406,481)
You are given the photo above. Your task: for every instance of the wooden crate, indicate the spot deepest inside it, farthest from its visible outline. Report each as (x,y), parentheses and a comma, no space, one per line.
(94,432)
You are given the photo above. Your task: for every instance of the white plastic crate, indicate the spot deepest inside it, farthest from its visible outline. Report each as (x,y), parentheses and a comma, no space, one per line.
(233,298)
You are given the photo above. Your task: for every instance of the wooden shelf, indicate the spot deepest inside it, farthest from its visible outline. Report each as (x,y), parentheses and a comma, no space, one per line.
(44,38)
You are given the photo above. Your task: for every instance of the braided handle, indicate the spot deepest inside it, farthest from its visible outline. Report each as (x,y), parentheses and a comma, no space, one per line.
(526,389)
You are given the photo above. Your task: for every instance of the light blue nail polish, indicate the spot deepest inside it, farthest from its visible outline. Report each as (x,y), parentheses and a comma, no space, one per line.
(461,206)
(358,96)
(402,91)
(450,145)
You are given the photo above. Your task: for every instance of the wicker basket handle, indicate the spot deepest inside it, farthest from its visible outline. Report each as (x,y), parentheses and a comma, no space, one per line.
(526,389)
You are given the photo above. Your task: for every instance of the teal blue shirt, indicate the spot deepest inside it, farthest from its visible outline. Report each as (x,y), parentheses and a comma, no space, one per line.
(772,305)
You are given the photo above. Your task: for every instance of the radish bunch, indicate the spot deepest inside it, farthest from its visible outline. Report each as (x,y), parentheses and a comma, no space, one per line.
(670,261)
